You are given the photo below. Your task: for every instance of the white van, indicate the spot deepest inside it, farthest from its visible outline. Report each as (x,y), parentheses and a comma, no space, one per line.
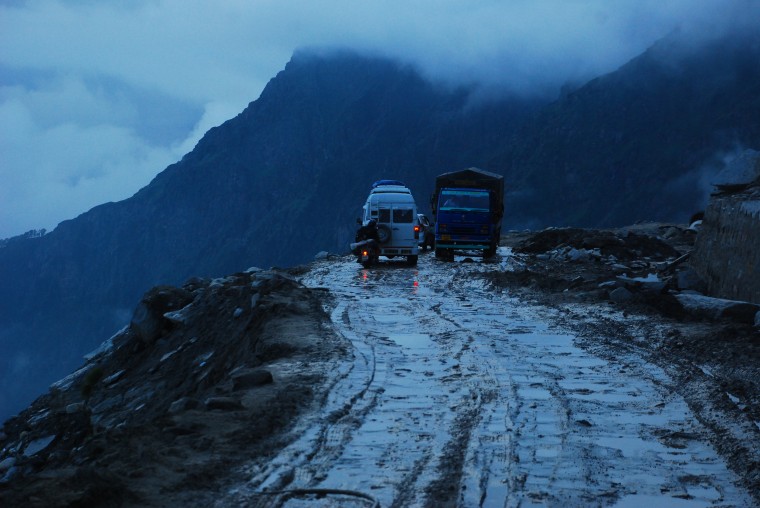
(392,206)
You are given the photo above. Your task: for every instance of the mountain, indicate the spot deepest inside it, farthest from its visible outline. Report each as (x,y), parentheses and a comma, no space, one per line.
(287,176)
(639,143)
(276,184)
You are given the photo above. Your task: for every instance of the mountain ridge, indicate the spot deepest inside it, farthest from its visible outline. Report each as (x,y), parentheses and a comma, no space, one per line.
(238,199)
(286,177)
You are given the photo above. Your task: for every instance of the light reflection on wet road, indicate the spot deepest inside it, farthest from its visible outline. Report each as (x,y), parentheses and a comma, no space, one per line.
(459,396)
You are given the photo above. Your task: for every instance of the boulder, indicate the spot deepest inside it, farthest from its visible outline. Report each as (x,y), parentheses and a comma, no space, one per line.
(149,321)
(621,295)
(718,308)
(183,404)
(38,445)
(687,278)
(7,463)
(649,283)
(75,407)
(577,255)
(223,403)
(250,378)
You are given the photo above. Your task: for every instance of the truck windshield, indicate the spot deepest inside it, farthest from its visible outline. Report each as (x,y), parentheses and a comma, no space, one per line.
(470,200)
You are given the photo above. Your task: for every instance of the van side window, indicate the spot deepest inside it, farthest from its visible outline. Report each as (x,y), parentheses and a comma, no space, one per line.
(385,216)
(402,215)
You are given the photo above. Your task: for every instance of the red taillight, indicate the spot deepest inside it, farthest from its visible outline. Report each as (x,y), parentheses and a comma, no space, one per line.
(416,229)
(365,253)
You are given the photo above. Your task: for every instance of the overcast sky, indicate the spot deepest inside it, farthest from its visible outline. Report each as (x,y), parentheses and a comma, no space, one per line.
(98,97)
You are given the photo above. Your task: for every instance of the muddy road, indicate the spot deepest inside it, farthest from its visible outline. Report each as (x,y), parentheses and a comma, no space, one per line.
(459,395)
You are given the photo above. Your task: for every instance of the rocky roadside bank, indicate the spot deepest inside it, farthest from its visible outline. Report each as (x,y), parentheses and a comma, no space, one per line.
(206,377)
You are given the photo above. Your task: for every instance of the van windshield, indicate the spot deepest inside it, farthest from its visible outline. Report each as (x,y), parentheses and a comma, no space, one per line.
(471,200)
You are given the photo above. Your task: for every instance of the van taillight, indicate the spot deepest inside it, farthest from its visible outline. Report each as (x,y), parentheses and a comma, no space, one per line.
(416,229)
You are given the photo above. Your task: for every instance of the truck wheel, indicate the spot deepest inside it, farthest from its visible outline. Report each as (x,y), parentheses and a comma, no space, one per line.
(411,260)
(444,254)
(384,233)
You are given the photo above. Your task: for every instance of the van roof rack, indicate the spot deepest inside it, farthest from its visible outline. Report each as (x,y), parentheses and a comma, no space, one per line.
(387,182)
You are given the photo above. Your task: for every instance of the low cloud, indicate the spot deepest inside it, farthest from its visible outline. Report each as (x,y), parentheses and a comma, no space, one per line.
(96,98)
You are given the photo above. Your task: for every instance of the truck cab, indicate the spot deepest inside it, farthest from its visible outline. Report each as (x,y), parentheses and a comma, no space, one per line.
(468,207)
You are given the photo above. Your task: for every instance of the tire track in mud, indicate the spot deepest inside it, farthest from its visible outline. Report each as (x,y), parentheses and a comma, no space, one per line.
(321,438)
(459,396)
(730,431)
(513,410)
(419,420)
(605,442)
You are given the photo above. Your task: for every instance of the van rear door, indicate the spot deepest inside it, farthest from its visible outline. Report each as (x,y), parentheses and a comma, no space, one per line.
(402,225)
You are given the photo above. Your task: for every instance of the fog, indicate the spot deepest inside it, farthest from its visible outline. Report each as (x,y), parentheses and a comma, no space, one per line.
(96,98)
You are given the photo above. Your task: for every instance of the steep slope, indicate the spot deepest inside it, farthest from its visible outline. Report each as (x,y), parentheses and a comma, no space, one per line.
(278,183)
(641,142)
(285,179)
(164,414)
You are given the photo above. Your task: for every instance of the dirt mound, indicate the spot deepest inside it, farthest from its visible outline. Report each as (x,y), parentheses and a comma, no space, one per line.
(642,261)
(622,244)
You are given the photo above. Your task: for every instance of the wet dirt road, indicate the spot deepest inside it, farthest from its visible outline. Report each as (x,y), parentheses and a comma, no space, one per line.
(461,396)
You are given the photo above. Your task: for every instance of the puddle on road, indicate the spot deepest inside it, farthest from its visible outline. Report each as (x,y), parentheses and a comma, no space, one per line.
(662,501)
(631,446)
(409,280)
(412,340)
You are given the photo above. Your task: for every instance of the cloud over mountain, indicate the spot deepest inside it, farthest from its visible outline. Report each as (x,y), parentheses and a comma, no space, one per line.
(96,98)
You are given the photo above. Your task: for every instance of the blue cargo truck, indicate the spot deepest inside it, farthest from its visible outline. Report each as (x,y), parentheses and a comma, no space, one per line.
(468,206)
